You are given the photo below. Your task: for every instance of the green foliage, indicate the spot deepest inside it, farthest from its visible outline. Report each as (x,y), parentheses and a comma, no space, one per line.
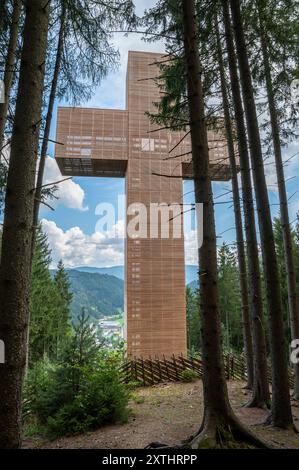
(83,391)
(37,384)
(229,305)
(88,52)
(229,298)
(193,321)
(282,270)
(279,21)
(49,305)
(188,375)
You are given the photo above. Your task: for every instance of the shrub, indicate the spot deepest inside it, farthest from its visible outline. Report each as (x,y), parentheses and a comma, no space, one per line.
(101,399)
(188,375)
(83,392)
(36,388)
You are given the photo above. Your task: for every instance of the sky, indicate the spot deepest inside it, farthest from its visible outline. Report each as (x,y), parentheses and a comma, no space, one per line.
(71,227)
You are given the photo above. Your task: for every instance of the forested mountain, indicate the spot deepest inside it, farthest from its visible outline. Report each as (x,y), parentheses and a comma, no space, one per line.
(99,294)
(117,271)
(101,290)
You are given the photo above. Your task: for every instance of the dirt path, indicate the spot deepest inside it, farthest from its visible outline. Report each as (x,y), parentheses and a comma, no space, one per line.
(168,413)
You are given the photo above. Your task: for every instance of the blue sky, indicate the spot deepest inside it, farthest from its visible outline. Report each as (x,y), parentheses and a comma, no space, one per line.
(71,227)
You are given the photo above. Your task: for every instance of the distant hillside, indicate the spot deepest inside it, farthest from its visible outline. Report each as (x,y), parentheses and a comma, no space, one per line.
(101,290)
(99,294)
(119,271)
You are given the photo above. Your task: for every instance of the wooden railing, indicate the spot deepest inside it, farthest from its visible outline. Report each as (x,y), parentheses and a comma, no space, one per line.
(156,370)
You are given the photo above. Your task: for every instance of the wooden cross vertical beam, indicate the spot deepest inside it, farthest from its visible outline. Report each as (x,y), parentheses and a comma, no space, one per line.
(121,143)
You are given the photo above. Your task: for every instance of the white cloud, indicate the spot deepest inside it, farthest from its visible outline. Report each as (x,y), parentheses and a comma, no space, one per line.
(191,250)
(69,194)
(291,167)
(99,249)
(76,248)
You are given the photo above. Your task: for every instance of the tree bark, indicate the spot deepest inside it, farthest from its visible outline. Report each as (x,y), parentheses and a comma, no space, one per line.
(42,161)
(219,423)
(2,14)
(238,217)
(261,393)
(9,66)
(283,200)
(281,414)
(17,228)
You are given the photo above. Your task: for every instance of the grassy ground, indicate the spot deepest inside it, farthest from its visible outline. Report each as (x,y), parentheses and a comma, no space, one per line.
(169,413)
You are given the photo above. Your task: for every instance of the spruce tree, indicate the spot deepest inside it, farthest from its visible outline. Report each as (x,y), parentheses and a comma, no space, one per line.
(64,298)
(281,414)
(283,198)
(17,226)
(261,393)
(243,275)
(9,71)
(219,425)
(43,303)
(83,57)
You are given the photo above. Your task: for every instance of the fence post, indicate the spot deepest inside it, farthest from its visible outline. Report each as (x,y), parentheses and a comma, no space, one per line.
(143,375)
(166,365)
(175,367)
(160,371)
(136,370)
(151,367)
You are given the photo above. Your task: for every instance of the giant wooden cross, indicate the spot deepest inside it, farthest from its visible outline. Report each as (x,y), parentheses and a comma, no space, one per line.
(124,143)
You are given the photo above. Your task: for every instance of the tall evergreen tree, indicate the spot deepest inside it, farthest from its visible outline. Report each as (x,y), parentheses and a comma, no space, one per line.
(261,393)
(42,302)
(49,305)
(243,278)
(64,296)
(87,27)
(10,62)
(283,198)
(17,227)
(229,298)
(193,322)
(281,414)
(219,422)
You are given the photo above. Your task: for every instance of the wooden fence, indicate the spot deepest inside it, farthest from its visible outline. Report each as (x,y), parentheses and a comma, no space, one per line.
(152,371)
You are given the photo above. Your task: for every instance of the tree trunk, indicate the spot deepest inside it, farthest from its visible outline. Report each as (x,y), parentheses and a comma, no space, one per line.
(284,212)
(9,66)
(261,393)
(17,228)
(44,148)
(238,217)
(219,423)
(42,161)
(281,414)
